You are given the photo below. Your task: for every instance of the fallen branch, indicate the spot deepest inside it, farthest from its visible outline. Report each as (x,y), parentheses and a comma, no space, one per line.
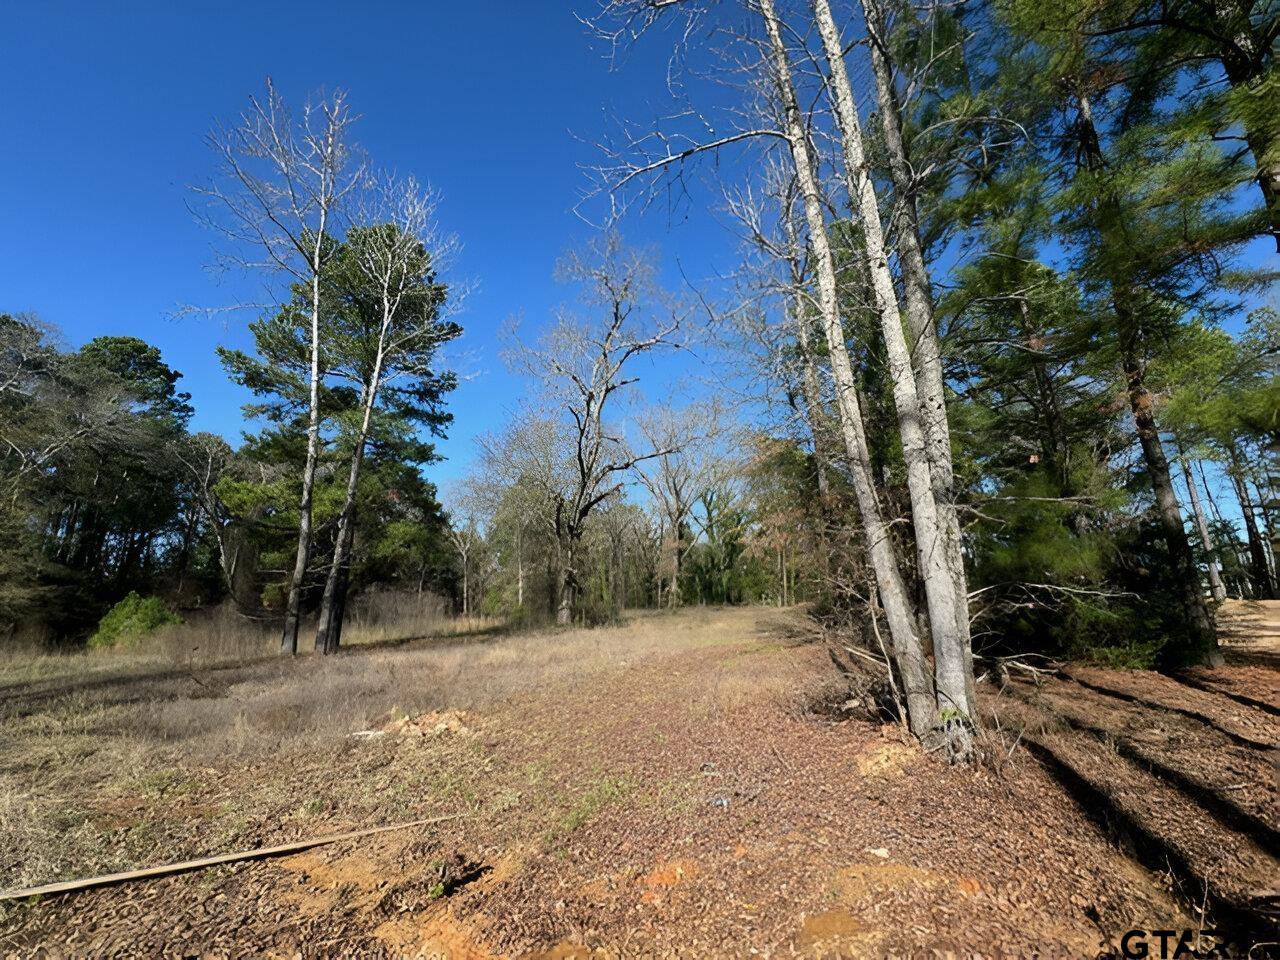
(71,886)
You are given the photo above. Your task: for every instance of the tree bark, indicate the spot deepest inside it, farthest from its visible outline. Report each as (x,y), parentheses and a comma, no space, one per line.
(908,651)
(329,629)
(1142,406)
(566,587)
(953,668)
(810,385)
(926,353)
(293,607)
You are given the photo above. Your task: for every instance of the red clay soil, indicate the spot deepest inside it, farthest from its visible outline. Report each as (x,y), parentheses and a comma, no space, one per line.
(670,809)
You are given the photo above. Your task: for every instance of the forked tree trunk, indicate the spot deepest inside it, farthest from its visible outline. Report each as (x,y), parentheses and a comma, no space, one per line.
(946,613)
(926,346)
(907,649)
(566,585)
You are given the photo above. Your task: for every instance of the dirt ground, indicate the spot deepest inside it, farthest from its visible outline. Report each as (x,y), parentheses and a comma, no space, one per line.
(684,785)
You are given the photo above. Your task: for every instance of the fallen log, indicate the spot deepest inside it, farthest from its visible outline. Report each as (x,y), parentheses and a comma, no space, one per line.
(72,886)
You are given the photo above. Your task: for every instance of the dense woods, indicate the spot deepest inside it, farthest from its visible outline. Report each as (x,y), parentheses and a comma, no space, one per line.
(1001,350)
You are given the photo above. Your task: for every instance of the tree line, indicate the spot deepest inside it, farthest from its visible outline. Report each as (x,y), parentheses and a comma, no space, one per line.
(1003,367)
(110,494)
(1005,245)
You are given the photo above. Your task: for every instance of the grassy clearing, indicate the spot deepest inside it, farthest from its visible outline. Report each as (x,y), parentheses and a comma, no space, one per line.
(108,762)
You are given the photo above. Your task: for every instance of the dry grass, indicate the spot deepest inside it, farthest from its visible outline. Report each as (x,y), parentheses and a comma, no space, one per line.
(221,635)
(112,761)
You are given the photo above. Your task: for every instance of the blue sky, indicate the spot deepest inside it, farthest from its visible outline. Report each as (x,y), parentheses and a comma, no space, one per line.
(496,103)
(106,105)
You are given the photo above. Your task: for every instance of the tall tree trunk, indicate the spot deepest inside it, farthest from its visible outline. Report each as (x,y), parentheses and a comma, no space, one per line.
(334,602)
(566,584)
(1216,588)
(948,616)
(926,353)
(293,606)
(1258,570)
(1142,406)
(329,628)
(1202,636)
(810,384)
(564,603)
(908,651)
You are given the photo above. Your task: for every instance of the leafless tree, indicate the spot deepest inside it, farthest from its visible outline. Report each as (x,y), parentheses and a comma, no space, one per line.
(205,457)
(278,197)
(794,129)
(685,444)
(582,363)
(465,536)
(937,540)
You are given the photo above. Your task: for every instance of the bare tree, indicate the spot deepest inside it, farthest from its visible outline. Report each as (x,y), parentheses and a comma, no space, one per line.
(277,197)
(684,445)
(794,131)
(773,229)
(937,540)
(465,537)
(1216,588)
(581,364)
(918,684)
(205,457)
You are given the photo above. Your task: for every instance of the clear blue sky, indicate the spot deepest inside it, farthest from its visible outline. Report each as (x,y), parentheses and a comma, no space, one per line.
(493,102)
(101,124)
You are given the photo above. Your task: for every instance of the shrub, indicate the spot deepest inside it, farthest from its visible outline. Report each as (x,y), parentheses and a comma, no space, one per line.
(130,619)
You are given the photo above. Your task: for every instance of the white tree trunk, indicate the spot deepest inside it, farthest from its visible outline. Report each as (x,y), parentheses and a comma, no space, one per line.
(926,352)
(293,608)
(952,666)
(908,650)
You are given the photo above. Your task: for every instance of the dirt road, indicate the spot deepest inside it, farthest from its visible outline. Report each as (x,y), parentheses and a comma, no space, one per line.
(669,788)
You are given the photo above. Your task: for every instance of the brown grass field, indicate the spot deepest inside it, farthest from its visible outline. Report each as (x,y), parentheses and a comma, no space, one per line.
(683,784)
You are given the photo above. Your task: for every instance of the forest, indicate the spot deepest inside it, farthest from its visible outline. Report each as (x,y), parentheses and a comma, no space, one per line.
(992,383)
(1004,369)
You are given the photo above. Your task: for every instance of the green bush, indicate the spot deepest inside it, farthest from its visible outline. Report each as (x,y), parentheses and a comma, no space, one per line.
(130,619)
